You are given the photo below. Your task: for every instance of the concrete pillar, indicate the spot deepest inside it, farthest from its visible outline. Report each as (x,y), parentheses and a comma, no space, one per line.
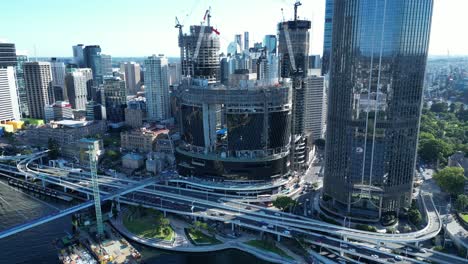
(43,184)
(232,226)
(380,207)
(278,238)
(64,189)
(417,243)
(87,196)
(164,213)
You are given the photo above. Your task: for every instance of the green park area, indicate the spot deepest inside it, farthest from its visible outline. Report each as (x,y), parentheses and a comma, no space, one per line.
(148,223)
(268,246)
(199,238)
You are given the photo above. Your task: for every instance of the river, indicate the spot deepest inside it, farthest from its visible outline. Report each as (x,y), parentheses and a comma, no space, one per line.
(35,245)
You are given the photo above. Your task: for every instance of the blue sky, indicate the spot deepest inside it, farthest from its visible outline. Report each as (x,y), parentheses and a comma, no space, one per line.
(145,27)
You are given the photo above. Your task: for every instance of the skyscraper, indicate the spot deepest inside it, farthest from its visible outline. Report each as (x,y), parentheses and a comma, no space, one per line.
(58,78)
(315,106)
(174,73)
(246,41)
(23,98)
(376,81)
(9,108)
(106,65)
(78,57)
(115,99)
(157,88)
(132,76)
(76,86)
(269,42)
(92,60)
(327,36)
(7,55)
(38,83)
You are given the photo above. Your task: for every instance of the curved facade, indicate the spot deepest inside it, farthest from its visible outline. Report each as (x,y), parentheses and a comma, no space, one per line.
(233,132)
(379,53)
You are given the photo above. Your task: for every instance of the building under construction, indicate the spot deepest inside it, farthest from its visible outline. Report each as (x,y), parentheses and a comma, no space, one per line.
(234,131)
(293,49)
(199,51)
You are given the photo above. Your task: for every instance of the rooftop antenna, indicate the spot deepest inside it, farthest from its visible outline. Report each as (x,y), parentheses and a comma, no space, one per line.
(282,13)
(298,3)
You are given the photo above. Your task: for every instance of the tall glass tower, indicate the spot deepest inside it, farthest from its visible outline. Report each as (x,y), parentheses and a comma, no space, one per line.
(376,83)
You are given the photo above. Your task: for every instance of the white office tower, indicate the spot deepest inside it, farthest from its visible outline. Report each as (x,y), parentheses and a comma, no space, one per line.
(157,88)
(9,107)
(174,73)
(76,83)
(315,104)
(132,76)
(38,83)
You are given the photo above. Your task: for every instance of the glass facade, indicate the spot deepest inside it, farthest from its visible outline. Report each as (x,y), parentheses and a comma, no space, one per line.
(378,61)
(245,131)
(327,36)
(192,123)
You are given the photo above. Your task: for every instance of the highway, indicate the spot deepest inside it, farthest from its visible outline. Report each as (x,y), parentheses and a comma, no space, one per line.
(207,205)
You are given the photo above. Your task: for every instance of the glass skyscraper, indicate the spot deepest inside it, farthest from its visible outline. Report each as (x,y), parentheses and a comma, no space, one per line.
(327,36)
(376,82)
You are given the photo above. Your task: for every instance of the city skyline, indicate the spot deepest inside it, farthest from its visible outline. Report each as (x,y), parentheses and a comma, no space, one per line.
(128,25)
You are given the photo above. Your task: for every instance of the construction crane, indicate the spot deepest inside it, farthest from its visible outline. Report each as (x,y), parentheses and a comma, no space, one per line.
(96,193)
(296,5)
(202,30)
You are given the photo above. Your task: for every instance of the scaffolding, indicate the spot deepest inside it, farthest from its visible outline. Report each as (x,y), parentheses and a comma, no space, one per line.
(96,194)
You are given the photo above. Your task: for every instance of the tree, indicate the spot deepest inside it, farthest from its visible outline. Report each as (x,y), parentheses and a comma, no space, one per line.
(415,216)
(461,204)
(451,180)
(53,147)
(432,150)
(439,107)
(283,202)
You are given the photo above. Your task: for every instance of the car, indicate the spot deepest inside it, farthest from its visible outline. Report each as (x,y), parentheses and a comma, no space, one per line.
(399,258)
(409,249)
(286,232)
(248,208)
(352,250)
(375,256)
(277,214)
(343,245)
(423,250)
(264,227)
(270,226)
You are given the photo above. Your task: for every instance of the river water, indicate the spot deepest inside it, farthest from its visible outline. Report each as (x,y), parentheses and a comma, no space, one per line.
(35,245)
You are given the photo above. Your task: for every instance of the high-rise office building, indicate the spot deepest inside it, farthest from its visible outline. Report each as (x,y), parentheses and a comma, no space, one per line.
(78,56)
(95,111)
(9,107)
(76,88)
(7,55)
(327,36)
(58,79)
(22,97)
(269,42)
(315,107)
(106,65)
(246,41)
(115,99)
(92,60)
(132,76)
(157,88)
(314,62)
(174,73)
(377,72)
(238,40)
(38,83)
